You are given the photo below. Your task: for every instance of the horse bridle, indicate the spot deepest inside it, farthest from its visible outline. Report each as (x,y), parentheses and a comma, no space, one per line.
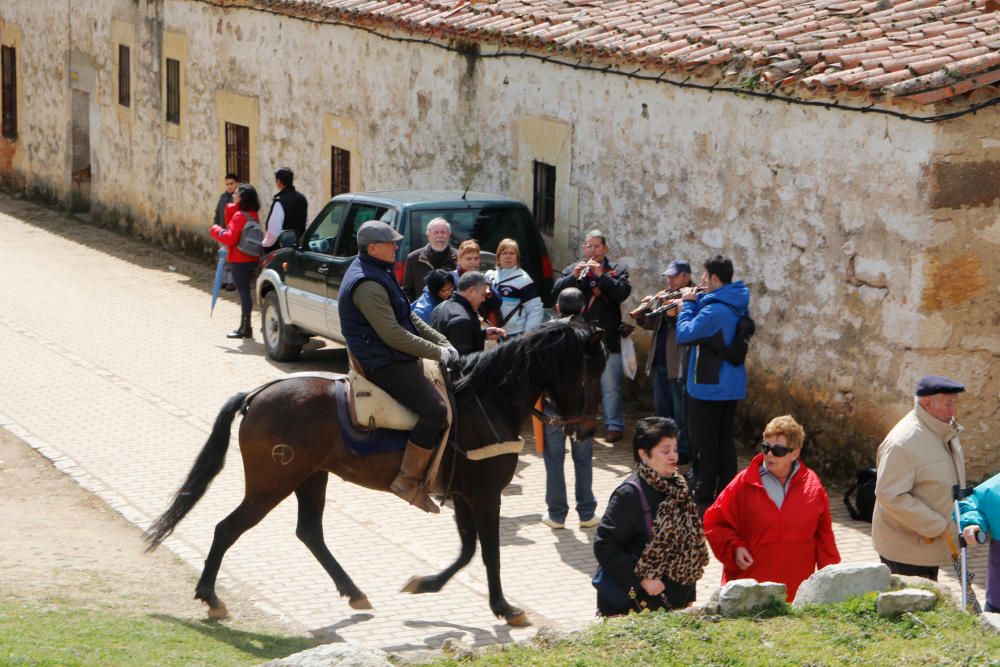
(556,420)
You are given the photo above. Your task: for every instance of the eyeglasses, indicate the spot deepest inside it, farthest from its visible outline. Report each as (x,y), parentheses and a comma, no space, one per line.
(777,450)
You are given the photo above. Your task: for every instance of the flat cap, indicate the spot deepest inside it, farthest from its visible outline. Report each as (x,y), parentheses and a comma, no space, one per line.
(376,231)
(929,385)
(677,266)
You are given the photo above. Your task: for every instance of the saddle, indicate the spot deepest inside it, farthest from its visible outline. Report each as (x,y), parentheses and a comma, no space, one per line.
(370,407)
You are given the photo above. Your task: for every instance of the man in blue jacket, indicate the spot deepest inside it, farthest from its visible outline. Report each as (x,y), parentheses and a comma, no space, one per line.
(707,322)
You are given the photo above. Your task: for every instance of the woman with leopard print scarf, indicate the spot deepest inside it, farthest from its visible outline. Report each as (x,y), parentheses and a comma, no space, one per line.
(650,542)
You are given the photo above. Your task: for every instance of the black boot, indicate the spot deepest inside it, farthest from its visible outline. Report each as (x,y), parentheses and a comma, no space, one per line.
(244,330)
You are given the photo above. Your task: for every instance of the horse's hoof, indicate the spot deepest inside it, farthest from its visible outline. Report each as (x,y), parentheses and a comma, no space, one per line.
(360,603)
(517,619)
(412,585)
(218,612)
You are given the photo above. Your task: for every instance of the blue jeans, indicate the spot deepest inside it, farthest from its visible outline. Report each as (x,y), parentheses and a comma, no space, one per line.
(668,401)
(554,455)
(611,393)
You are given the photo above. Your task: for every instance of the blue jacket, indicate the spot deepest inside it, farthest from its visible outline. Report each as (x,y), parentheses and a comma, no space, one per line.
(424,305)
(983,507)
(713,315)
(362,341)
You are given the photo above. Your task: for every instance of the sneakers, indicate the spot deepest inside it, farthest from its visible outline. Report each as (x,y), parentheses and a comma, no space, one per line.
(591,522)
(613,436)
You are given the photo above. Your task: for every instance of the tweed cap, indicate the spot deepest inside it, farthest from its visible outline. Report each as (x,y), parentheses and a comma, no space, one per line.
(376,231)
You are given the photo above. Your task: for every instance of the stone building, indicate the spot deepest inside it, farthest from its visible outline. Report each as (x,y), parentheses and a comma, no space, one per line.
(844,153)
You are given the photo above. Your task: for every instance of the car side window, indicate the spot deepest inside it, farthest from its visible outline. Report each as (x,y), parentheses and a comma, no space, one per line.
(356,216)
(322,238)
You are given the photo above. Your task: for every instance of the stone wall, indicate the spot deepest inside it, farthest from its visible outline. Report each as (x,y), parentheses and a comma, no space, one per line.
(864,245)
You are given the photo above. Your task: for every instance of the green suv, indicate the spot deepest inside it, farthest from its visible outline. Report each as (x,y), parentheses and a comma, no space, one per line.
(299,283)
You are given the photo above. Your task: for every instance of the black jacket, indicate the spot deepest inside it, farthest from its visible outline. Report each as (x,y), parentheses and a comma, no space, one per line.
(459,323)
(621,537)
(606,309)
(220,209)
(296,209)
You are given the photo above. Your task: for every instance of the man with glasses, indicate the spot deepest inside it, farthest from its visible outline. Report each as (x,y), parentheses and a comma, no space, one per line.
(707,323)
(918,464)
(387,339)
(605,286)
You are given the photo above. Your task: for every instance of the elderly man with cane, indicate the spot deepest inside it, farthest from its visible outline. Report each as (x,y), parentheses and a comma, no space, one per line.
(919,464)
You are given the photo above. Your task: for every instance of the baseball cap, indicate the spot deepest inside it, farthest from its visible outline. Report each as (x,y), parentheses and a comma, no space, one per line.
(677,266)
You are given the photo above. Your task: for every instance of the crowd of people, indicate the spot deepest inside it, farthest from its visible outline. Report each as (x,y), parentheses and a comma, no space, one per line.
(770,522)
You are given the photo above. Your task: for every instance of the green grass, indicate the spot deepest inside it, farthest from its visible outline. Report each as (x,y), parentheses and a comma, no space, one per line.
(845,634)
(57,631)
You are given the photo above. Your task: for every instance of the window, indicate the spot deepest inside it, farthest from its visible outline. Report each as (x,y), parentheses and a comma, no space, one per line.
(543,205)
(8,90)
(340,171)
(124,70)
(173,91)
(357,216)
(323,237)
(238,151)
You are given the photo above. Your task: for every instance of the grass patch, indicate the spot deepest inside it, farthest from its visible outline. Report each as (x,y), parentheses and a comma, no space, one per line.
(850,633)
(58,631)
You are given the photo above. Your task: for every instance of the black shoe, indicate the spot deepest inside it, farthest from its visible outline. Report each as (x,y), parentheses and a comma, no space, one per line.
(243,331)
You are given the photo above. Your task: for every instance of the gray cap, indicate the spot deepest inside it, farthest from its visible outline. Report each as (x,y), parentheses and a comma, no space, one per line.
(376,231)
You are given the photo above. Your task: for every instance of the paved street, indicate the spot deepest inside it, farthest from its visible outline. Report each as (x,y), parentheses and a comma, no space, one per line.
(114,370)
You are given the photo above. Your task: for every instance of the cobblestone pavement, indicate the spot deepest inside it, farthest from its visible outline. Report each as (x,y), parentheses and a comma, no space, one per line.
(114,370)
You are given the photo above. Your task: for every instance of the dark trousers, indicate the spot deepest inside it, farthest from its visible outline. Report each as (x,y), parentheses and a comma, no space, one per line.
(925,571)
(712,424)
(405,381)
(242,277)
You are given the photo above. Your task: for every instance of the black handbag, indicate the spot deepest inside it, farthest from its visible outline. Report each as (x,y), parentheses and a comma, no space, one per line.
(610,589)
(864,488)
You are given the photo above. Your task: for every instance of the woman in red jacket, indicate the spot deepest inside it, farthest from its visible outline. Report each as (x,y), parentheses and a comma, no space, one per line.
(772,522)
(242,265)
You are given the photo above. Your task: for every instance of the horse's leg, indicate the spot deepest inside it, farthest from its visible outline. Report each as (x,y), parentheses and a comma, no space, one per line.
(243,518)
(312,501)
(487,513)
(467,532)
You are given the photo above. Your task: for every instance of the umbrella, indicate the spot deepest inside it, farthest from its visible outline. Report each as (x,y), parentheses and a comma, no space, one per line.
(220,270)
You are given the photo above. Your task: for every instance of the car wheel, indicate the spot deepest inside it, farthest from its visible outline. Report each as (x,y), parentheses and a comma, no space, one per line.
(279,339)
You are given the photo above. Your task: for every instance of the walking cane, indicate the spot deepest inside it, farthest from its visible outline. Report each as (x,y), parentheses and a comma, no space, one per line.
(961,563)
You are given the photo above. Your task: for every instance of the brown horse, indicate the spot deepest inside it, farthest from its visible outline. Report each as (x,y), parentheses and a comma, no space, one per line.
(290,441)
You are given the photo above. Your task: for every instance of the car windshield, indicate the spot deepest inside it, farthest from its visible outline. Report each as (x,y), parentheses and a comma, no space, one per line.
(489,226)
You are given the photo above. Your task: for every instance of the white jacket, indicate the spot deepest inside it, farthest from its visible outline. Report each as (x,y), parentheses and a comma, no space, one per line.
(518,292)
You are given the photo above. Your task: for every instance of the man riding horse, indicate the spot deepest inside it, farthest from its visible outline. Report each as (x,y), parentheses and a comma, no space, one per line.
(387,339)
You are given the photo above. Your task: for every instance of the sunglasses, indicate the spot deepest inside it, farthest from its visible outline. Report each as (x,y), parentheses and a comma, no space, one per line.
(777,450)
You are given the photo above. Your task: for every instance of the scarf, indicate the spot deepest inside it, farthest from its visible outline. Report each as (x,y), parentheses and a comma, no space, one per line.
(676,550)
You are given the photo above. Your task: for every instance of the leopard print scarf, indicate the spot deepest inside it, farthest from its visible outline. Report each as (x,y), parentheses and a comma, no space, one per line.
(677,548)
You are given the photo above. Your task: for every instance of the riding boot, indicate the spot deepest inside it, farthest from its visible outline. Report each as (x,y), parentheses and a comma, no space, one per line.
(408,483)
(244,330)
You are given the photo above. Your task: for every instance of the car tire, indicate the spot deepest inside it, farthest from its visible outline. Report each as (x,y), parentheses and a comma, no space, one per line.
(280,340)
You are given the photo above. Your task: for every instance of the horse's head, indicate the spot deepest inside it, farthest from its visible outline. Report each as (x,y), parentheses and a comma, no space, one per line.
(577,394)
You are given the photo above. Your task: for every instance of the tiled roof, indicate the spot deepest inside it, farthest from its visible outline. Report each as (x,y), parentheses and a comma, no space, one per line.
(924,51)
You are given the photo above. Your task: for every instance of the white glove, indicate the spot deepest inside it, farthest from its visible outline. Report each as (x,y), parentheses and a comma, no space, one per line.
(449,355)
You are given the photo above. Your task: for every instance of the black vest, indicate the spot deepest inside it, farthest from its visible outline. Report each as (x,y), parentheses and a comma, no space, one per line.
(296,210)
(362,341)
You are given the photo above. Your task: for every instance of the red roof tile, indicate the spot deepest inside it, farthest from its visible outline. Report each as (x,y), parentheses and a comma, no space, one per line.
(926,51)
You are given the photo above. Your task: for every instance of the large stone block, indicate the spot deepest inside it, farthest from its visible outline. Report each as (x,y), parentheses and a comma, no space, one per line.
(990,621)
(744,596)
(895,603)
(837,583)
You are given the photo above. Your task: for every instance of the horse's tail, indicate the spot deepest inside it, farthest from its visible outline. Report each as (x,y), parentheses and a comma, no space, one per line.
(208,464)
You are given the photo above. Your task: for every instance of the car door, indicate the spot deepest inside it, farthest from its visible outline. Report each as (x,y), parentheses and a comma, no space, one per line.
(306,293)
(344,253)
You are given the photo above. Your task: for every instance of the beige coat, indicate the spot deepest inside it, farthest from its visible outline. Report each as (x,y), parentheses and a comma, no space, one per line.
(918,464)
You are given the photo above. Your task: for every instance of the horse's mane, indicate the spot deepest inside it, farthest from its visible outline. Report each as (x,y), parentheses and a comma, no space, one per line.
(507,375)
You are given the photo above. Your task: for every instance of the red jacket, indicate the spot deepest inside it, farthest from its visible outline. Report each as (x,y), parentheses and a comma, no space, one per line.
(786,545)
(230,236)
